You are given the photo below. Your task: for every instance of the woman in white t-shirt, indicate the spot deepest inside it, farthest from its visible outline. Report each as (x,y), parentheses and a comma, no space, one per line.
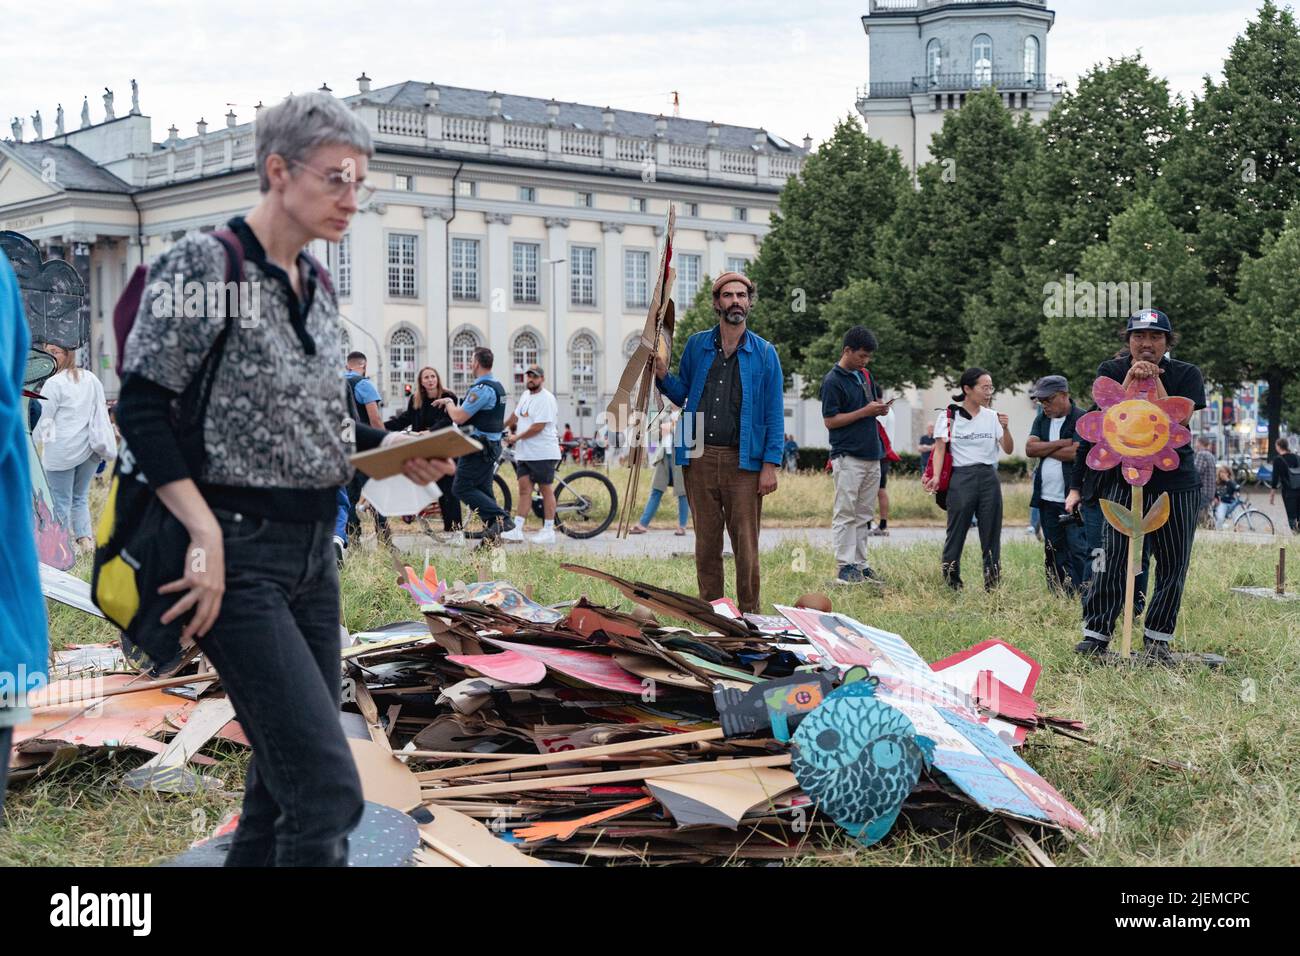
(72,433)
(975,439)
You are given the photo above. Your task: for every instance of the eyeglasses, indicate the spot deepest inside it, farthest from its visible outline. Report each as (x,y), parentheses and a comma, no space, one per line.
(339,181)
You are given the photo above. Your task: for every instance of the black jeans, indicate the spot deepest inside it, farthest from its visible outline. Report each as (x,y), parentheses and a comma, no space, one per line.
(1291,502)
(448,504)
(974,490)
(276,648)
(473,485)
(6,741)
(1065,548)
(354,519)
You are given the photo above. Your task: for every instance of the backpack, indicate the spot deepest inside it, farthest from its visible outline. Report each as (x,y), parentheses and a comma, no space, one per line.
(139,544)
(1292,475)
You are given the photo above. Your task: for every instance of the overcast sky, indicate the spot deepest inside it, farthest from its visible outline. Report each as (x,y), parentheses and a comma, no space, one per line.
(791,67)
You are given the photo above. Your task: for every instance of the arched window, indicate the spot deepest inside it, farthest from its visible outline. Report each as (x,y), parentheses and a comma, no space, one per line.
(525,351)
(933,60)
(402,365)
(630,345)
(462,356)
(1031,60)
(981,57)
(582,369)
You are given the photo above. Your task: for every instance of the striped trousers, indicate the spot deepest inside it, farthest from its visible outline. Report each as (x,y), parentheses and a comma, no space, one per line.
(1170,546)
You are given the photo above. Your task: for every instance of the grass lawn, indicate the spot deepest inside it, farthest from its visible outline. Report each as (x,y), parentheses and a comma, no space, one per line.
(1236,727)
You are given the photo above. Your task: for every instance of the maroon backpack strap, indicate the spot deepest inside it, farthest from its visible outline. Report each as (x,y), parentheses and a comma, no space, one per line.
(322,274)
(234,253)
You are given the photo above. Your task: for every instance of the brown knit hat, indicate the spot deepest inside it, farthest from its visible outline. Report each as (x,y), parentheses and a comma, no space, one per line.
(726,277)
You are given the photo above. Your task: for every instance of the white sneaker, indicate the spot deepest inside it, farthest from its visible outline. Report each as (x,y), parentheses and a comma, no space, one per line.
(340,550)
(543,537)
(514,534)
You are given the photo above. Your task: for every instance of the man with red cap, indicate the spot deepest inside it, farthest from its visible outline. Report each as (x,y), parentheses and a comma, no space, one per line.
(730,437)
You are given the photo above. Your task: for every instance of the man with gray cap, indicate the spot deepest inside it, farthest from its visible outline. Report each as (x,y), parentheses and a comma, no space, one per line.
(1148,338)
(1052,440)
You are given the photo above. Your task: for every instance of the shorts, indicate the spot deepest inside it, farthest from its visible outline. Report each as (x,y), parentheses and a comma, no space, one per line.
(884,471)
(541,472)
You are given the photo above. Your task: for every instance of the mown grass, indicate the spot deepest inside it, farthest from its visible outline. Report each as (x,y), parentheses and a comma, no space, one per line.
(1235,726)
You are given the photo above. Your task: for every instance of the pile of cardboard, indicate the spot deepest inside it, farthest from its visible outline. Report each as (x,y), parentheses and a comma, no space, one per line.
(513,732)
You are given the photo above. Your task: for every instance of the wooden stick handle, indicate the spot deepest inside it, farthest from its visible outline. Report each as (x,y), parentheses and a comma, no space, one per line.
(130,689)
(662,742)
(612,776)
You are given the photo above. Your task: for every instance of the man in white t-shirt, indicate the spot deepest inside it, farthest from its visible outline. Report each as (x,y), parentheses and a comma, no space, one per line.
(1052,441)
(537,454)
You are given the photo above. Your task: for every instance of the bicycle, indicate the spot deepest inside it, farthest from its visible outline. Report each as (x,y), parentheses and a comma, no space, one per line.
(1245,517)
(585,505)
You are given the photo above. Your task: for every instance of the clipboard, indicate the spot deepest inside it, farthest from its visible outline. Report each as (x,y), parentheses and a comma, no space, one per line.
(449,442)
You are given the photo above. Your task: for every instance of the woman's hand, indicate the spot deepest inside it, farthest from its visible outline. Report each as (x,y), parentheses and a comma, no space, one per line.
(1072,501)
(204,582)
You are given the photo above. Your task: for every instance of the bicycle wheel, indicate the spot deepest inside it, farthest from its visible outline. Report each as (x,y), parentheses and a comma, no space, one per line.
(501,492)
(585,504)
(1253,521)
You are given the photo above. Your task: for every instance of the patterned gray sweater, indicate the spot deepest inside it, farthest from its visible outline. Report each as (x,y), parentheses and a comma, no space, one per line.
(277,416)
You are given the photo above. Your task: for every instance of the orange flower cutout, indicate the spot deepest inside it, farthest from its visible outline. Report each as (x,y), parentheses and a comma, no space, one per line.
(1134,431)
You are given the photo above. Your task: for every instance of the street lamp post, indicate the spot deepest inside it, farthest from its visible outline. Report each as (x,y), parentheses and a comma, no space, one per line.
(555,308)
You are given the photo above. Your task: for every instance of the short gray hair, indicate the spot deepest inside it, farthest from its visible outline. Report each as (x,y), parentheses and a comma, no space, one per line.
(301,124)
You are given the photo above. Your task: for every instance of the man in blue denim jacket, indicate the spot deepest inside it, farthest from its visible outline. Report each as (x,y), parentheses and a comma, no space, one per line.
(730,437)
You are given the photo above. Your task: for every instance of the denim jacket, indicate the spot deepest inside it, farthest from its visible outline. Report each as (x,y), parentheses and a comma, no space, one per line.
(762,400)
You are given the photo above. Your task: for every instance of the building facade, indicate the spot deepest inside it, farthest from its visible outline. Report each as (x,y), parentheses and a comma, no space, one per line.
(926,56)
(529,226)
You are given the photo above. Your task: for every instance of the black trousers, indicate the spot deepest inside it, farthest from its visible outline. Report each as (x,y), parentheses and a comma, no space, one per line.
(6,741)
(1065,548)
(448,504)
(354,519)
(276,647)
(473,485)
(1291,502)
(974,491)
(1171,548)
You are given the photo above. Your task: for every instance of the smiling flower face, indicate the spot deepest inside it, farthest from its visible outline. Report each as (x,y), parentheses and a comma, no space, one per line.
(1134,430)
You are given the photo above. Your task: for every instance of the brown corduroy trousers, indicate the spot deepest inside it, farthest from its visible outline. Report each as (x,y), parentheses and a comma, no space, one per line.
(721,496)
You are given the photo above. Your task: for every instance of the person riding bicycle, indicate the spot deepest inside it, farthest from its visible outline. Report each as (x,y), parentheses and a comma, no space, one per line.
(1226,497)
(483,415)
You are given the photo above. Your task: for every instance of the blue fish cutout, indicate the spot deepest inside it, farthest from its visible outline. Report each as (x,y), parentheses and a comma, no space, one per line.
(858,758)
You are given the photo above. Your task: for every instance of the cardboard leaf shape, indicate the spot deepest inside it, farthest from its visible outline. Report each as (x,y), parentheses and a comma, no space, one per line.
(508,666)
(1158,515)
(1120,518)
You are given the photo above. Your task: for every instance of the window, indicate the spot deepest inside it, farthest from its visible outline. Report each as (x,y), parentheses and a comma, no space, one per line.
(346,341)
(526,256)
(981,57)
(464,269)
(640,204)
(740,213)
(403,182)
(933,60)
(1031,59)
(582,275)
(586,200)
(462,355)
(688,281)
(528,194)
(691,209)
(636,279)
(738,264)
(525,352)
(630,345)
(343,265)
(401,365)
(582,368)
(402,282)
(467,188)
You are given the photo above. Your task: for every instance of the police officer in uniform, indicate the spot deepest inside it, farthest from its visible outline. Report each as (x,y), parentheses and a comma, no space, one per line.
(483,416)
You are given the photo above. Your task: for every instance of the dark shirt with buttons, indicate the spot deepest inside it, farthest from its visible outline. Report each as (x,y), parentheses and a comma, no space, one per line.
(720,402)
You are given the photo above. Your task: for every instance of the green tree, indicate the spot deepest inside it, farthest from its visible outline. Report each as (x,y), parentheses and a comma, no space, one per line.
(1143,252)
(1102,147)
(823,236)
(862,302)
(940,248)
(1265,317)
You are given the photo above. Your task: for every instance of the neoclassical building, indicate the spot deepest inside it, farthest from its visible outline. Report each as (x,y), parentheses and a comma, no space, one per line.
(526,225)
